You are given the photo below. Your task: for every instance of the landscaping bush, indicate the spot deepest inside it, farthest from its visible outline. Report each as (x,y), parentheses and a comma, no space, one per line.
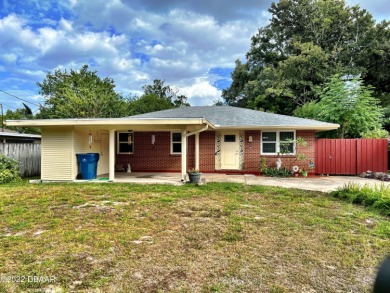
(274,172)
(9,169)
(377,197)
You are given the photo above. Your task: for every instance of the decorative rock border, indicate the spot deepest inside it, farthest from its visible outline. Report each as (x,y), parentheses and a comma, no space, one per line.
(375,175)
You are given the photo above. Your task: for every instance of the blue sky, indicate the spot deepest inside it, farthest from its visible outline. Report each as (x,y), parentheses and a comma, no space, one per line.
(190,44)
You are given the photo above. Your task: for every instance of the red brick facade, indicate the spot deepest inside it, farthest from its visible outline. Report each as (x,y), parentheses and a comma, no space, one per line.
(252,152)
(307,151)
(158,157)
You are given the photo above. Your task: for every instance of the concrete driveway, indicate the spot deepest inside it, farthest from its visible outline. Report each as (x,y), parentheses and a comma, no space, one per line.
(317,183)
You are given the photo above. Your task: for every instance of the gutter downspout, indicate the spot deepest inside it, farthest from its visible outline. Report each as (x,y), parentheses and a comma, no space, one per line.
(197,131)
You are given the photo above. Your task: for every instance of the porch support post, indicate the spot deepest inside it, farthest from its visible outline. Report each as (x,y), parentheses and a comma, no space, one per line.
(197,151)
(111,159)
(183,155)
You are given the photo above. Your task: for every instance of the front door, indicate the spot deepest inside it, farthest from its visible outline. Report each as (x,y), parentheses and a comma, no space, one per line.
(230,151)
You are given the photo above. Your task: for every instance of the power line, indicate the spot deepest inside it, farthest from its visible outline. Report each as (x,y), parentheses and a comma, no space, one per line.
(8,106)
(19,98)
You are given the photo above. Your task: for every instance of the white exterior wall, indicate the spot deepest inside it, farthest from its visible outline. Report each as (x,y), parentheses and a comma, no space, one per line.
(57,153)
(99,145)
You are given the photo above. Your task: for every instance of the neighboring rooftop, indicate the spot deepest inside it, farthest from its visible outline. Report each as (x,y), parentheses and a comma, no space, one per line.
(18,135)
(227,116)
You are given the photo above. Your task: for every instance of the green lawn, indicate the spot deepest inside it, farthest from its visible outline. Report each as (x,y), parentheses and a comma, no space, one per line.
(160,238)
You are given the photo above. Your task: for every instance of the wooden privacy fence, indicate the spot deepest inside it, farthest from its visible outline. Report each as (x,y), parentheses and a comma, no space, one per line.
(28,155)
(350,156)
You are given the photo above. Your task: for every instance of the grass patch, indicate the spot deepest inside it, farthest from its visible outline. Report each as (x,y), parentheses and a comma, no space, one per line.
(211,238)
(377,197)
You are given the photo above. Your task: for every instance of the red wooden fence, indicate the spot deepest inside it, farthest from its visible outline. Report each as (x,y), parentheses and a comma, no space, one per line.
(350,156)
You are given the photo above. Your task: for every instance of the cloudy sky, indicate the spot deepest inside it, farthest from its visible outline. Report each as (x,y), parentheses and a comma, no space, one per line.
(191,44)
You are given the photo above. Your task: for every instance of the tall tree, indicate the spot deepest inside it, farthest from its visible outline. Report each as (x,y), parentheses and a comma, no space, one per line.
(304,44)
(148,103)
(156,97)
(236,94)
(158,88)
(80,94)
(165,92)
(348,102)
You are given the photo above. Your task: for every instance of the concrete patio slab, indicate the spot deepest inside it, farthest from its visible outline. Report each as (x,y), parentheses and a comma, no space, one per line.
(148,178)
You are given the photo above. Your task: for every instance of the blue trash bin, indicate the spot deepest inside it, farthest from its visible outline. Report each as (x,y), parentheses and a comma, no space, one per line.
(88,165)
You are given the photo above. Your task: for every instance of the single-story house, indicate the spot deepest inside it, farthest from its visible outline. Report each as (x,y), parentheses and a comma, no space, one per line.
(208,138)
(10,136)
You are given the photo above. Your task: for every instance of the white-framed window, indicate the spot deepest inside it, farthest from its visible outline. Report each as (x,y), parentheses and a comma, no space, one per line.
(124,142)
(274,142)
(175,143)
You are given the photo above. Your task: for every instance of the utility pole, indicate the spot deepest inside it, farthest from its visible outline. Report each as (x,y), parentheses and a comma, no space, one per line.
(2,118)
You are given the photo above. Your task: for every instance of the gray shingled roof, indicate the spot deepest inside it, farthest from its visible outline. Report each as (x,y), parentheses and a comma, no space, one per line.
(227,116)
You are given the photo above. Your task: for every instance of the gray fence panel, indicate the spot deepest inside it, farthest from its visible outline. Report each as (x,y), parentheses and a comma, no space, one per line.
(28,155)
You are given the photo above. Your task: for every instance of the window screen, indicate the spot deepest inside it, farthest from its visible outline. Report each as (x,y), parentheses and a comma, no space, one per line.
(269,147)
(274,142)
(269,142)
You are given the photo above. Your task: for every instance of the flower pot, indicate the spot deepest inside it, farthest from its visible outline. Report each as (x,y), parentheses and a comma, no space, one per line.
(194,177)
(304,173)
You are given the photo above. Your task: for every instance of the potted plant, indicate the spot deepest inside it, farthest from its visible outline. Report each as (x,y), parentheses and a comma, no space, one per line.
(194,175)
(303,172)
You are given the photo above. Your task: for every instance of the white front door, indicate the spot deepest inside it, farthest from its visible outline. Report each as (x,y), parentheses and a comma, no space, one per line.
(230,146)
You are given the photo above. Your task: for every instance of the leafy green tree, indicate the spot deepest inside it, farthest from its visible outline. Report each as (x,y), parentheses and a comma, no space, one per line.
(80,94)
(165,92)
(305,43)
(293,82)
(347,102)
(148,103)
(156,97)
(309,110)
(180,100)
(19,114)
(376,133)
(236,94)
(158,88)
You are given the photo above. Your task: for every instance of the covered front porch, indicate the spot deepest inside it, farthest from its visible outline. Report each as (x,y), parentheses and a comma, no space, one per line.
(116,159)
(63,139)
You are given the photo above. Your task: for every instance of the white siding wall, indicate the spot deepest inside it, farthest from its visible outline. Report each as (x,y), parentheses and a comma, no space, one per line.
(99,145)
(57,154)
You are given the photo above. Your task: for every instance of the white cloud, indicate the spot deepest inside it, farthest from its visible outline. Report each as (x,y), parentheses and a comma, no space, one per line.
(15,33)
(65,25)
(178,47)
(201,92)
(132,41)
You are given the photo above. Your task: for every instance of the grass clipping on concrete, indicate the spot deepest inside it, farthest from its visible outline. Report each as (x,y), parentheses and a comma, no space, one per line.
(160,238)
